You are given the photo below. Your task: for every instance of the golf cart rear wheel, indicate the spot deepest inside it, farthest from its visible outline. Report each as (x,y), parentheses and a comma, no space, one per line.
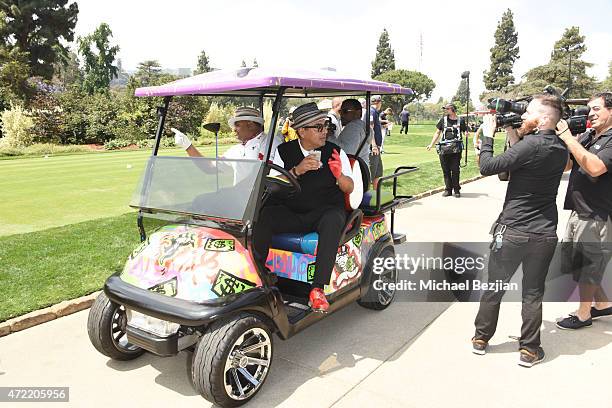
(106,327)
(382,298)
(232,359)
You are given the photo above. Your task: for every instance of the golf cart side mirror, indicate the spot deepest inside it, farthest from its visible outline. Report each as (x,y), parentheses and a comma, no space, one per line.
(212,127)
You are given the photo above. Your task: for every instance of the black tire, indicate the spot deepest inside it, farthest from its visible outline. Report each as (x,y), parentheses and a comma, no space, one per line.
(106,326)
(379,299)
(209,368)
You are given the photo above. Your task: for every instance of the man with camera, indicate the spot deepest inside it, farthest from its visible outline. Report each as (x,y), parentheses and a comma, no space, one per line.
(589,197)
(525,231)
(451,128)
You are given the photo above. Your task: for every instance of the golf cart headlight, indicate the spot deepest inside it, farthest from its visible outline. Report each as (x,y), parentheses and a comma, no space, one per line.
(162,328)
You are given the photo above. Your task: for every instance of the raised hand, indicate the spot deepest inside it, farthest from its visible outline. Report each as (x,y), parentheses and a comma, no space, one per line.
(335,165)
(181,139)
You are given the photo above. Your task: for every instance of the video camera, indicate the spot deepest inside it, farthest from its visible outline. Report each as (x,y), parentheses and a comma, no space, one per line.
(508,112)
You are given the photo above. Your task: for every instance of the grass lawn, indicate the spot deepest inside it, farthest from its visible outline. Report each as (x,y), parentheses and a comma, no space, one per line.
(47,267)
(409,150)
(39,193)
(66,225)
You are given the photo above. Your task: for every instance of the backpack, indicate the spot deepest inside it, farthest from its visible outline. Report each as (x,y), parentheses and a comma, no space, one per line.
(451,141)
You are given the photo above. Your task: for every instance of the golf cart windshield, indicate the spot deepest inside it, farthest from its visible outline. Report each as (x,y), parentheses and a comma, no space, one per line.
(199,187)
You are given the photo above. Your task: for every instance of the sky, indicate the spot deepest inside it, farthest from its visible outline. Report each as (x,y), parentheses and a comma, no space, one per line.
(456,36)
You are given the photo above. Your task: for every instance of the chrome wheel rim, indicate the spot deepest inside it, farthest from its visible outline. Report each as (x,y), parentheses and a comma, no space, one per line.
(119,331)
(247,364)
(385,296)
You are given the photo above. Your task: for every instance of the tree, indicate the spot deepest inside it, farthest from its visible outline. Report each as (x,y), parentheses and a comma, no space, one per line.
(68,73)
(503,55)
(243,64)
(606,85)
(565,67)
(39,28)
(203,64)
(421,85)
(98,62)
(385,59)
(255,64)
(147,72)
(14,74)
(461,94)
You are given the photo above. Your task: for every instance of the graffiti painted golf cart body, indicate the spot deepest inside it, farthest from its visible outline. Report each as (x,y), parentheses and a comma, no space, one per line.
(193,283)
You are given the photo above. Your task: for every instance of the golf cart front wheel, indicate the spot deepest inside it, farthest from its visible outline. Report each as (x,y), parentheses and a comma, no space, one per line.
(106,327)
(232,359)
(379,299)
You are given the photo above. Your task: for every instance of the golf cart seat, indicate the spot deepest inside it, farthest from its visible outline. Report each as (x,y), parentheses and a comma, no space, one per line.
(306,243)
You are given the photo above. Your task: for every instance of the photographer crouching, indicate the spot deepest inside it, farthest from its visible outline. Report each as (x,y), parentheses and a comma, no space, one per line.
(525,231)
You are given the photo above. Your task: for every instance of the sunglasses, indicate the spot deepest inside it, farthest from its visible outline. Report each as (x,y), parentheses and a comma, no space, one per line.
(320,127)
(350,110)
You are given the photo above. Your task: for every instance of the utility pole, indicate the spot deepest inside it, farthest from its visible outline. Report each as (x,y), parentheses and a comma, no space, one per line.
(420,50)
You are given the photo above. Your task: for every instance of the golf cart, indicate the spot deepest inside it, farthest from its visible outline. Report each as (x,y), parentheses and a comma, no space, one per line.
(193,283)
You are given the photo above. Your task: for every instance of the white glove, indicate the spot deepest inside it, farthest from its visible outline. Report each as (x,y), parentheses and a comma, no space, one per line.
(489,124)
(181,139)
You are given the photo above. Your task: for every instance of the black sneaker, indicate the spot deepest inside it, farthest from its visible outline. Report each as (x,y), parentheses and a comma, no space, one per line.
(572,322)
(529,359)
(597,313)
(479,347)
(446,193)
(457,194)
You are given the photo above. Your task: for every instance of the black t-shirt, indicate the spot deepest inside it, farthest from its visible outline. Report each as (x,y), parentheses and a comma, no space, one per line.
(591,197)
(536,164)
(448,134)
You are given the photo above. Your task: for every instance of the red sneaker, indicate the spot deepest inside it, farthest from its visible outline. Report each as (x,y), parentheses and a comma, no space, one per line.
(317,301)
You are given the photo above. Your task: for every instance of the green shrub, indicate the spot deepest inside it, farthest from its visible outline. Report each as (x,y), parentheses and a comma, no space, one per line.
(41,149)
(221,115)
(49,118)
(6,151)
(116,144)
(148,144)
(16,128)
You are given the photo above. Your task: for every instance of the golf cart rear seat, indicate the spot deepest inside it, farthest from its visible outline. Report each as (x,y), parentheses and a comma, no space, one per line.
(370,204)
(376,202)
(306,243)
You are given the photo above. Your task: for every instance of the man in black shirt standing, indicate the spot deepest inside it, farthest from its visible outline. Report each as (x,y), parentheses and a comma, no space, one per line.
(525,231)
(451,128)
(589,196)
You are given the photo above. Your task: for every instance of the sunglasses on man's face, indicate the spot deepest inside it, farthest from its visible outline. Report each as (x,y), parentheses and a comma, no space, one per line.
(319,127)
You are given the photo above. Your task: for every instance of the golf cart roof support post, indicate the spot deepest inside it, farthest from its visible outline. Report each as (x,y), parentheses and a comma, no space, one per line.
(274,120)
(261,105)
(163,110)
(367,121)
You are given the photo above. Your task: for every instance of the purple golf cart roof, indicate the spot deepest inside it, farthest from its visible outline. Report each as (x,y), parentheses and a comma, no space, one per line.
(266,82)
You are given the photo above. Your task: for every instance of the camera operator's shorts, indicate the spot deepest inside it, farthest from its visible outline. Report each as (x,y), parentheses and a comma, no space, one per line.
(376,166)
(587,248)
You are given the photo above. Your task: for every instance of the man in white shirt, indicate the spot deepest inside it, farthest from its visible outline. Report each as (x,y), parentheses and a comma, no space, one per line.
(248,126)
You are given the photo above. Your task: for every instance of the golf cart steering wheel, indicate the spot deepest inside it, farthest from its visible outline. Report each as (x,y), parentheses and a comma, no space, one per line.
(279,186)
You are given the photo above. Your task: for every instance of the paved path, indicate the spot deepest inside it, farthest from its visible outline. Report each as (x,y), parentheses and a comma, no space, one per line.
(411,355)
